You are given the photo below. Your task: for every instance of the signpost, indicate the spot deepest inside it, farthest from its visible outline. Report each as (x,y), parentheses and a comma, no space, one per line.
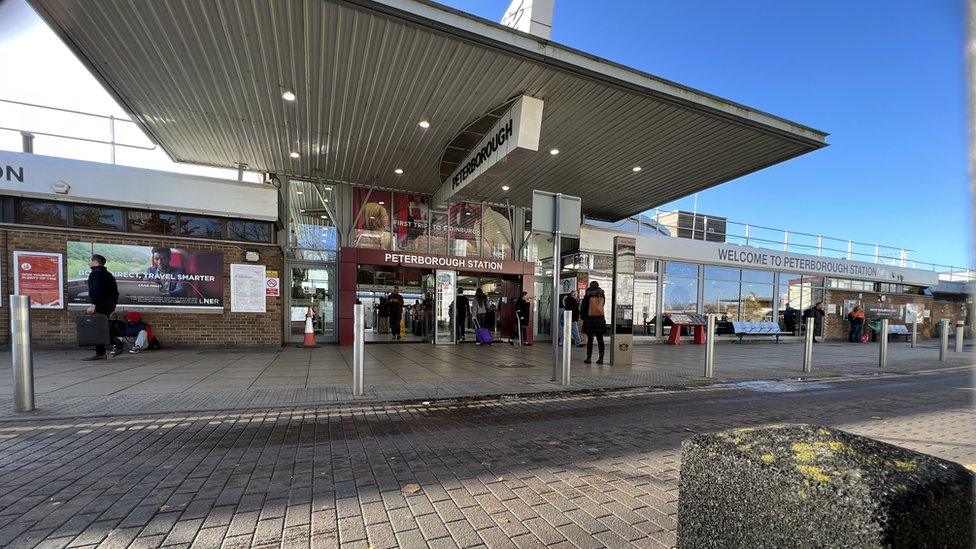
(558,215)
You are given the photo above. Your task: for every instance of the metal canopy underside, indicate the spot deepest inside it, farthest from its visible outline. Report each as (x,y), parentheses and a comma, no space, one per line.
(204,79)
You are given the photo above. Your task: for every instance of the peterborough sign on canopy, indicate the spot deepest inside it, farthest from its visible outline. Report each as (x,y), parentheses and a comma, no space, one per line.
(514,135)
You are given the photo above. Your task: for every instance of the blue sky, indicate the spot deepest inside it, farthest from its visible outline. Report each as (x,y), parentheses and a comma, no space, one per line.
(884,78)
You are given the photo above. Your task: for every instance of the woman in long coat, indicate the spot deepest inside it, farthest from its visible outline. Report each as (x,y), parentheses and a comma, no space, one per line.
(594,323)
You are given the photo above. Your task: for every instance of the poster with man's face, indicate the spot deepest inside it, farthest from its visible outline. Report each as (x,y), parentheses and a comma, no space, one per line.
(150,276)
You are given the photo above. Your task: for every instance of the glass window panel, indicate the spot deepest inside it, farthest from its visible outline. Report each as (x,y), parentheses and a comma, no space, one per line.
(96,217)
(497,232)
(765,277)
(721,273)
(645,305)
(371,210)
(42,213)
(251,231)
(310,223)
(439,221)
(151,222)
(791,296)
(680,295)
(208,227)
(465,229)
(410,222)
(757,302)
(722,298)
(688,270)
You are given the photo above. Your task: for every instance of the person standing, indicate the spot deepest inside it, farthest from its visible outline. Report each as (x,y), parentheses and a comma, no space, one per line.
(462,310)
(594,323)
(522,313)
(103,294)
(817,314)
(856,318)
(571,304)
(394,303)
(480,308)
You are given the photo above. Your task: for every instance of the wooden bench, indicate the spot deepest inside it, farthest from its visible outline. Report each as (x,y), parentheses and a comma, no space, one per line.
(765,329)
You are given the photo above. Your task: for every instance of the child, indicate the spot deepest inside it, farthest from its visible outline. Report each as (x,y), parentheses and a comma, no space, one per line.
(136,328)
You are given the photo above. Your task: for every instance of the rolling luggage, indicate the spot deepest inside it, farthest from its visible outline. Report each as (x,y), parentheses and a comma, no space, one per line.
(92,330)
(481,335)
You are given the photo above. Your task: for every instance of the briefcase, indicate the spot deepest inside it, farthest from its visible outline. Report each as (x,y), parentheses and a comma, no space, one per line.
(92,330)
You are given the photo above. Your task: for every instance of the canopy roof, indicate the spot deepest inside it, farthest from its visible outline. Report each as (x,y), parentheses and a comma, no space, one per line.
(204,80)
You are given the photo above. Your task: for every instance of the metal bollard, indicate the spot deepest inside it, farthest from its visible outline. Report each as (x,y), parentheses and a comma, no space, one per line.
(567,346)
(883,352)
(808,347)
(960,335)
(710,347)
(21,353)
(914,332)
(943,340)
(358,348)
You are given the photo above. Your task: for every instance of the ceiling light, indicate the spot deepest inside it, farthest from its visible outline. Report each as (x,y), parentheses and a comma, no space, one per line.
(424,124)
(398,171)
(288,95)
(294,154)
(324,216)
(637,168)
(381,202)
(554,152)
(299,192)
(505,187)
(302,210)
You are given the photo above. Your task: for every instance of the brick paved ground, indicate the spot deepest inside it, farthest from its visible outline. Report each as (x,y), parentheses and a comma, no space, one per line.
(187,380)
(565,471)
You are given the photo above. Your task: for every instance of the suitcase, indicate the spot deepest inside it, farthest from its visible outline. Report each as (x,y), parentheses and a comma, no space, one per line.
(481,335)
(92,330)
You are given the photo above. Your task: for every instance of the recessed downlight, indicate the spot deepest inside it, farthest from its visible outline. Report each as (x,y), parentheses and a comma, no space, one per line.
(323,217)
(299,192)
(381,202)
(288,95)
(636,168)
(398,171)
(554,152)
(505,187)
(294,154)
(424,124)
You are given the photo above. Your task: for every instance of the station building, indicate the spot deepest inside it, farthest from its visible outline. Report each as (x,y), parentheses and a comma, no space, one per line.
(400,143)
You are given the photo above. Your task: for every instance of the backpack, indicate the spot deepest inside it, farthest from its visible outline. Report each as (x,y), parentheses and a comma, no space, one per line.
(596,304)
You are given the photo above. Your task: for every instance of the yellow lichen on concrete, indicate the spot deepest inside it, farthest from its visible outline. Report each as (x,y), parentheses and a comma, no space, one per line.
(836,445)
(904,465)
(768,457)
(814,473)
(823,431)
(803,452)
(801,494)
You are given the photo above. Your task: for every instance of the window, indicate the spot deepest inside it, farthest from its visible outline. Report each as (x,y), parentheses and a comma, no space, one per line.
(209,227)
(855,285)
(251,231)
(465,229)
(680,288)
(42,213)
(497,233)
(796,293)
(96,217)
(152,222)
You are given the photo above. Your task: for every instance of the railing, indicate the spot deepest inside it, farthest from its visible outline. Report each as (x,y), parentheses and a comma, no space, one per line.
(785,240)
(36,121)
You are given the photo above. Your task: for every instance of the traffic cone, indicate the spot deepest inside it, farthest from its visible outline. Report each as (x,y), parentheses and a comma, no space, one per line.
(309,330)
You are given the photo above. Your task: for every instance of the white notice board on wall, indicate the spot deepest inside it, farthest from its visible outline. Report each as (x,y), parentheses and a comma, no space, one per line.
(247,293)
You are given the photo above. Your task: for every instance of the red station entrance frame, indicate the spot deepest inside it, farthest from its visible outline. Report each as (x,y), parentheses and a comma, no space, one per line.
(351,258)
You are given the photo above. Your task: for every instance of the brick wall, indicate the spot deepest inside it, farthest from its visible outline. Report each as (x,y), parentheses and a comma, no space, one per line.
(836,326)
(56,328)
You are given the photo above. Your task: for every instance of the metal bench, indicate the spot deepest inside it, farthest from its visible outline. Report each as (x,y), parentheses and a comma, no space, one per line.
(899,330)
(743,329)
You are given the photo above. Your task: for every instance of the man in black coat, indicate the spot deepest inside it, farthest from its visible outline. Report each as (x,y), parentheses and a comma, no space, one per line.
(817,313)
(103,294)
(462,310)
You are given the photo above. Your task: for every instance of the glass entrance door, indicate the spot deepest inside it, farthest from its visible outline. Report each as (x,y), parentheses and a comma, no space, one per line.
(446,286)
(311,287)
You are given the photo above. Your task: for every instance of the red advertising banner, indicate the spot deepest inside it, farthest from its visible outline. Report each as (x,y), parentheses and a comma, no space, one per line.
(371,210)
(39,275)
(410,222)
